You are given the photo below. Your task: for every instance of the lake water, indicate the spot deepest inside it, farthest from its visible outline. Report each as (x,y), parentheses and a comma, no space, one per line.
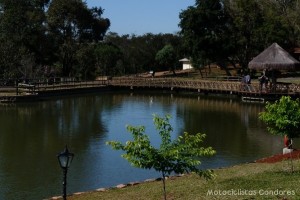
(32,134)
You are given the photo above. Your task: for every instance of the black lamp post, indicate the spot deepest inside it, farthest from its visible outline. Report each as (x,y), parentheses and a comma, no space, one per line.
(65,158)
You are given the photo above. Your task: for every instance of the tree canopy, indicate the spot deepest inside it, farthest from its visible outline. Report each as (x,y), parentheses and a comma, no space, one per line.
(225,31)
(38,34)
(42,38)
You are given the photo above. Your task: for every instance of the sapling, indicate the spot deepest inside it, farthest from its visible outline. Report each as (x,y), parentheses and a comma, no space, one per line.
(177,156)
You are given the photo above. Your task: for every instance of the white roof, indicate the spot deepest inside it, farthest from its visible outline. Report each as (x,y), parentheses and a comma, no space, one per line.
(184,60)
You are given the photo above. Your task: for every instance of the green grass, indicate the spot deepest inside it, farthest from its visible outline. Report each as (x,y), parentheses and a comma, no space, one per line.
(247,181)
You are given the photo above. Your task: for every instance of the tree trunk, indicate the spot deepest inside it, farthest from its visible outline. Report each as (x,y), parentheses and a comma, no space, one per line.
(164,185)
(174,73)
(201,73)
(223,66)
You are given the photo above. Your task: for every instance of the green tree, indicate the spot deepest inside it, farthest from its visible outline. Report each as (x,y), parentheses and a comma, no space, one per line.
(107,57)
(138,52)
(285,18)
(283,117)
(85,62)
(22,35)
(275,27)
(180,155)
(166,57)
(204,28)
(71,23)
(233,32)
(254,26)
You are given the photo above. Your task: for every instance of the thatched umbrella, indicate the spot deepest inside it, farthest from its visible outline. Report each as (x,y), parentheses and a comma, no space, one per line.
(273,59)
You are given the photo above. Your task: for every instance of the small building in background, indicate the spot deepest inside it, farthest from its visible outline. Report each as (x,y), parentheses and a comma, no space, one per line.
(186,64)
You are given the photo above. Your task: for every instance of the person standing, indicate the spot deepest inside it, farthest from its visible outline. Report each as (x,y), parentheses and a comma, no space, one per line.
(263,82)
(248,82)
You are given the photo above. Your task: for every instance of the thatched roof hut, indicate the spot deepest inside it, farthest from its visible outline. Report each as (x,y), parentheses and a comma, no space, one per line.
(274,58)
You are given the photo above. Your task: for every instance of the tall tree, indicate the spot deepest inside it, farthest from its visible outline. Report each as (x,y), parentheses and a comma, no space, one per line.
(22,33)
(107,56)
(166,57)
(205,32)
(248,20)
(284,16)
(85,62)
(71,23)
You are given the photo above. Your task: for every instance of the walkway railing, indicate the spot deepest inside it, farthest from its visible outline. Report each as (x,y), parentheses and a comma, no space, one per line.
(206,85)
(63,85)
(200,85)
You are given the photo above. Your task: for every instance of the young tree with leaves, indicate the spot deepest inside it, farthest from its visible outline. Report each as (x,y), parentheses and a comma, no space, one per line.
(283,117)
(179,156)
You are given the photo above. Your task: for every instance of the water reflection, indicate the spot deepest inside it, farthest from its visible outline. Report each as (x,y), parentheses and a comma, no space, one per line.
(32,134)
(232,128)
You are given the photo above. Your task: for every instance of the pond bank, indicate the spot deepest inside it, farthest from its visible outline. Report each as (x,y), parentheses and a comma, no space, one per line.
(249,180)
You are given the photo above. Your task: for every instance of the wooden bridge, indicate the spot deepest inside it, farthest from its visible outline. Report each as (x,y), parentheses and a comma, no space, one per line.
(210,86)
(228,86)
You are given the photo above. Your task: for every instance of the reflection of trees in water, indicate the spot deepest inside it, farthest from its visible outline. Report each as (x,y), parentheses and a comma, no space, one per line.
(256,129)
(68,120)
(163,99)
(32,134)
(229,124)
(43,128)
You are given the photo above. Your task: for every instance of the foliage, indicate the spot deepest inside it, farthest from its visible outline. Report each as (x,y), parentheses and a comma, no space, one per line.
(283,117)
(85,66)
(71,23)
(166,56)
(48,34)
(246,24)
(139,52)
(286,14)
(225,31)
(179,156)
(204,32)
(22,37)
(107,56)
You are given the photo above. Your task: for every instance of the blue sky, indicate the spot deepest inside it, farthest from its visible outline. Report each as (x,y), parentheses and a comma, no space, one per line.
(142,16)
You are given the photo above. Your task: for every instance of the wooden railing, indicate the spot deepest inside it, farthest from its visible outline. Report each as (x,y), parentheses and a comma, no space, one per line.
(51,86)
(207,85)
(200,85)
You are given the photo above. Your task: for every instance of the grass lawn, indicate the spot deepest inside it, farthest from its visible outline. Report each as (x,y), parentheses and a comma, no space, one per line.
(246,181)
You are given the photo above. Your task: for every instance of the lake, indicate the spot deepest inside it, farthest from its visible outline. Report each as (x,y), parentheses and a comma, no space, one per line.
(32,134)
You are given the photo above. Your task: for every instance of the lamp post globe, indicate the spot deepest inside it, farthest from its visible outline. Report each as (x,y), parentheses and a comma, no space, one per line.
(65,159)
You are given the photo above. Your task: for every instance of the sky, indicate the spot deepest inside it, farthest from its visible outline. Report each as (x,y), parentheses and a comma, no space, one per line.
(142,16)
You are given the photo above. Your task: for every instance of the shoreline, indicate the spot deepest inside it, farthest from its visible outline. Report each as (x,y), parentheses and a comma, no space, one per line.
(267,160)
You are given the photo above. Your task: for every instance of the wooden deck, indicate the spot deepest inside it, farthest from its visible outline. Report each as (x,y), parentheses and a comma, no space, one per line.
(247,92)
(210,86)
